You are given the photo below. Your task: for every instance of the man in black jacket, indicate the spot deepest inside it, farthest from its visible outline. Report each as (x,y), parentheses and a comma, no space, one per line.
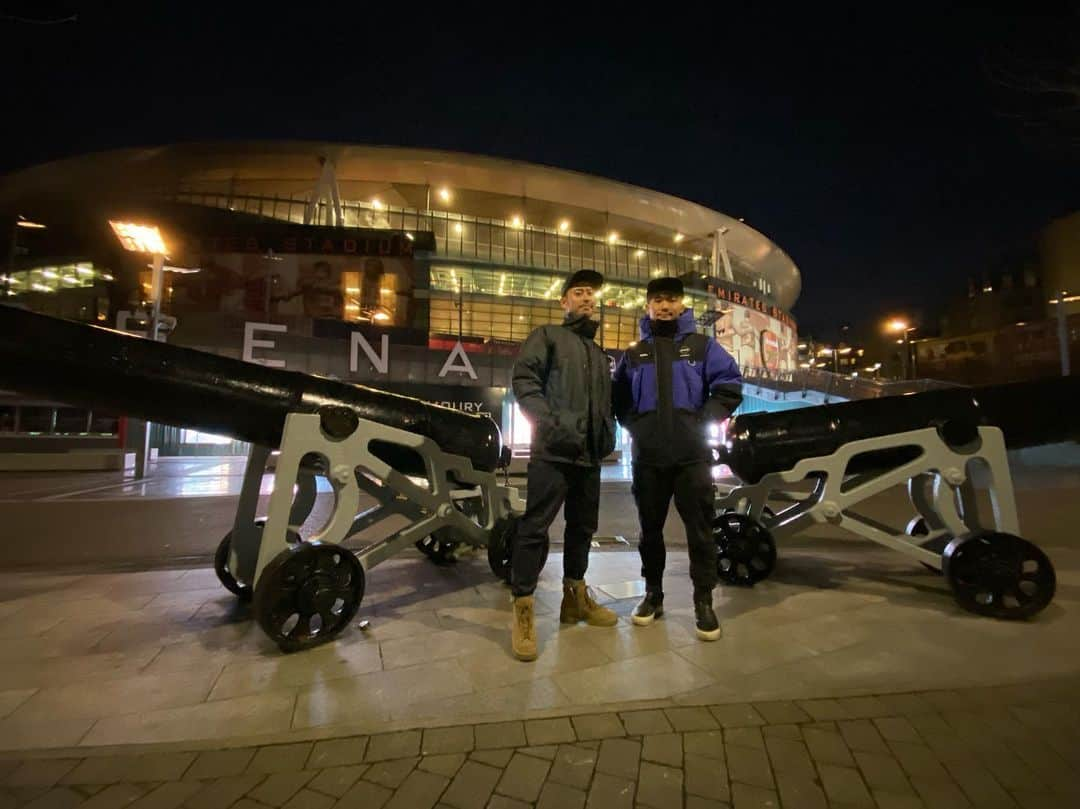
(563,383)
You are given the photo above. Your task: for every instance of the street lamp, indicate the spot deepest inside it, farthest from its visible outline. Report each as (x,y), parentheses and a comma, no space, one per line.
(902,327)
(146,239)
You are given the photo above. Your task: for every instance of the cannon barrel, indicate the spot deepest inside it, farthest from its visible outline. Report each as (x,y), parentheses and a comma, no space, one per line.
(101,368)
(1028,413)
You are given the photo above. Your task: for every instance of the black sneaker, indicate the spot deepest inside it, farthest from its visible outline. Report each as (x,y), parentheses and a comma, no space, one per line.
(651,607)
(708,628)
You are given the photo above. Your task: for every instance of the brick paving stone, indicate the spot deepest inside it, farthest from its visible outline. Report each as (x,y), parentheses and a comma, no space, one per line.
(798,790)
(364,794)
(59,797)
(736,715)
(421,790)
(223,792)
(545,751)
(790,757)
(118,796)
(219,764)
(781,713)
(494,758)
(707,743)
(500,734)
(827,747)
(824,710)
(918,759)
(247,803)
(745,737)
(694,802)
(936,793)
(980,786)
(390,773)
(882,771)
(889,800)
(897,729)
(336,781)
(845,787)
(167,796)
(659,787)
(684,719)
(598,726)
(619,757)
(523,778)
(41,772)
(163,766)
(864,707)
(905,704)
(930,724)
(643,723)
(278,758)
(472,786)
(745,796)
(749,766)
(1010,770)
(549,731)
(573,766)
(279,787)
(782,732)
(706,777)
(446,765)
(439,741)
(309,799)
(503,802)
(104,770)
(860,734)
(560,796)
(338,752)
(665,748)
(393,745)
(609,792)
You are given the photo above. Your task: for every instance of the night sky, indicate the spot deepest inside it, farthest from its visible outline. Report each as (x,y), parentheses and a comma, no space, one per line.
(883,153)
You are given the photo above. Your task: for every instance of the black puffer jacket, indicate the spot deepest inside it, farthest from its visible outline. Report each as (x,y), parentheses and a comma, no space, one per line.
(562,380)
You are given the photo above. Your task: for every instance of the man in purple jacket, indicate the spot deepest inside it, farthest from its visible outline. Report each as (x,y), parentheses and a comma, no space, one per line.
(668,387)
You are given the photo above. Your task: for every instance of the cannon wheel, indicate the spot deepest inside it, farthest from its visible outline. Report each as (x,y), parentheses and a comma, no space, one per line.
(999,575)
(745,550)
(225,576)
(221,563)
(917,527)
(500,544)
(500,549)
(308,594)
(440,546)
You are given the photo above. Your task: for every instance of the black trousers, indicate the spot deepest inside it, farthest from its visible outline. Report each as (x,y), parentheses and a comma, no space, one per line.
(693,490)
(551,485)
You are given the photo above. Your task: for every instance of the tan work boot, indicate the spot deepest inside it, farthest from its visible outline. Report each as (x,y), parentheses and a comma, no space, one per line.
(523,634)
(578,605)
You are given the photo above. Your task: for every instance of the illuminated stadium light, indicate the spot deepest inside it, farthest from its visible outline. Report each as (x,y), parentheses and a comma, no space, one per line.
(139,238)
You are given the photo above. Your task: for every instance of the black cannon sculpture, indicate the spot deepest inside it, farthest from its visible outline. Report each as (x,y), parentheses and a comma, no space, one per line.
(933,442)
(433,465)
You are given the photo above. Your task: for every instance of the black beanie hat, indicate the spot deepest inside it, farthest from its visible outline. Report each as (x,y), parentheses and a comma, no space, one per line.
(583,278)
(659,285)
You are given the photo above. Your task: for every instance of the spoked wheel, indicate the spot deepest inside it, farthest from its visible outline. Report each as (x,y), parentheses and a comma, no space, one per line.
(745,550)
(500,547)
(917,527)
(308,594)
(999,575)
(440,546)
(221,562)
(225,575)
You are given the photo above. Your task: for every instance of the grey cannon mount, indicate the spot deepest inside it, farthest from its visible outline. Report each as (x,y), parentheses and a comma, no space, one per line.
(435,466)
(818,464)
